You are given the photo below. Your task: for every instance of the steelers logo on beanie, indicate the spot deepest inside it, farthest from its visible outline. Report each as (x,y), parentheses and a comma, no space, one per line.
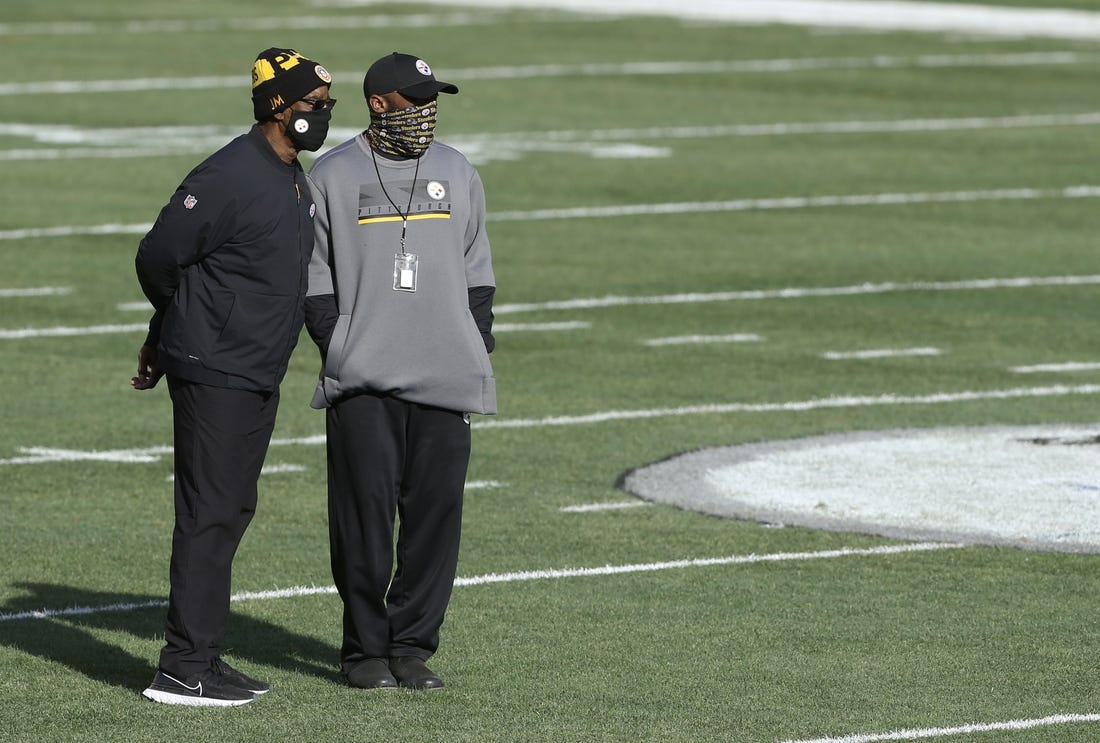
(282,76)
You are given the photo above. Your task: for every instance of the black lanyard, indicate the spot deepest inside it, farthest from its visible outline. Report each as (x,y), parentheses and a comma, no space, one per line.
(408,207)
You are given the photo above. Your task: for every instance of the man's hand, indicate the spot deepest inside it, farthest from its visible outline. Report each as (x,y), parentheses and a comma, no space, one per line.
(148,372)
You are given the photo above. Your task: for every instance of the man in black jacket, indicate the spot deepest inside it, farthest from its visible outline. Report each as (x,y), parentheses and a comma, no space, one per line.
(225,267)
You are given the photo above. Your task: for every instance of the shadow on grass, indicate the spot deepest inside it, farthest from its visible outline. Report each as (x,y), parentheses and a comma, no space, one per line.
(71,638)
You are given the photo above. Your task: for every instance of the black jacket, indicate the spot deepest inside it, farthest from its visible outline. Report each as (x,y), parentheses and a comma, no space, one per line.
(226,268)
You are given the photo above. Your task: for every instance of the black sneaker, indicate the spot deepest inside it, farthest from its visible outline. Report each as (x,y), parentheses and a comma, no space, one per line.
(205,689)
(238,679)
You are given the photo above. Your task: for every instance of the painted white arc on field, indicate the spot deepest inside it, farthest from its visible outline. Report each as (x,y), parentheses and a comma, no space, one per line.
(1033,487)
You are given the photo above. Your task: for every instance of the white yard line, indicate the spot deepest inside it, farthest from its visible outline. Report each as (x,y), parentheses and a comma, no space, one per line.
(526,72)
(800,202)
(171,141)
(880,353)
(943,732)
(791,407)
(517,577)
(167,149)
(297,23)
(47,455)
(1069,366)
(212,135)
(146,142)
(675,208)
(682,340)
(879,126)
(1021,282)
(77,231)
(23,333)
(982,20)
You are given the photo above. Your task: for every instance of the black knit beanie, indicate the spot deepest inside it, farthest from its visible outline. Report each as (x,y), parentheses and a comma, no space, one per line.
(282,76)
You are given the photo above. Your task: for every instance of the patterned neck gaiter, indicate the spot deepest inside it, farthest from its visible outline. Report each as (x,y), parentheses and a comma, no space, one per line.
(405,133)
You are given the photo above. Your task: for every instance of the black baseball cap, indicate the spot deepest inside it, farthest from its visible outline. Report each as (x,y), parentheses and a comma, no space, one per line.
(405,74)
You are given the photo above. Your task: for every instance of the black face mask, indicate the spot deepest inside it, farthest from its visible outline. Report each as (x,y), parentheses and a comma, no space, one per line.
(308,129)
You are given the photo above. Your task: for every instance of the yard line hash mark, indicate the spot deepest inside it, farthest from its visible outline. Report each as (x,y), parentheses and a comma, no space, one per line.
(540,326)
(880,353)
(613,506)
(39,291)
(695,339)
(65,331)
(1069,366)
(517,577)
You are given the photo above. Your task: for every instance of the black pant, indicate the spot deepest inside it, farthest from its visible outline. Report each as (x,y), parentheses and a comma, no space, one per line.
(221,438)
(388,458)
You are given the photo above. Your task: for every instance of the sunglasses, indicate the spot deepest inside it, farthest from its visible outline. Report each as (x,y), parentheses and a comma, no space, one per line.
(319,104)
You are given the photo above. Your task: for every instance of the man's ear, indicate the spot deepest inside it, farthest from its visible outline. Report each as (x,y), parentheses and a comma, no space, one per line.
(378,104)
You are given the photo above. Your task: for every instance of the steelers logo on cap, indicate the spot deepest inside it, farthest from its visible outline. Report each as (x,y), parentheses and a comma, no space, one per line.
(422,67)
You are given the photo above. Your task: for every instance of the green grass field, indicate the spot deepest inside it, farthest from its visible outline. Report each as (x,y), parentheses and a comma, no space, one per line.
(790,650)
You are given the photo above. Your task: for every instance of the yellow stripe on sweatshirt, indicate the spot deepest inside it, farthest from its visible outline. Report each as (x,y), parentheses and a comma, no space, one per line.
(376,220)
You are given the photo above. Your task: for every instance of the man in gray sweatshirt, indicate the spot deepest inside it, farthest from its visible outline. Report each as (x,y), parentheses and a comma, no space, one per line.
(400,300)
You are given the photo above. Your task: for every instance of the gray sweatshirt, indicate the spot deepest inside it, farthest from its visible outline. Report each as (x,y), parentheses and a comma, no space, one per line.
(422,346)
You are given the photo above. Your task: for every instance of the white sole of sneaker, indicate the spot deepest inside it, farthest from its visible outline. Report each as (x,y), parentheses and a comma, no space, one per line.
(165,697)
